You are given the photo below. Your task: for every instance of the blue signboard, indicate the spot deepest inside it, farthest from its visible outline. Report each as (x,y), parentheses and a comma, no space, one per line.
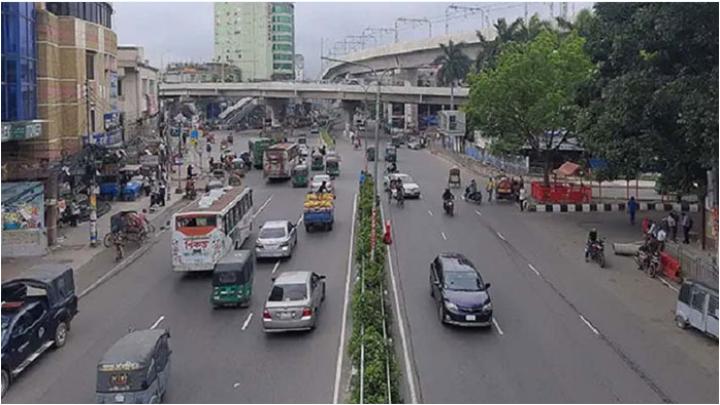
(195,134)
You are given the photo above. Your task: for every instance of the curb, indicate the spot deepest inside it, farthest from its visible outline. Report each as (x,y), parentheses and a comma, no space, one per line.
(617,207)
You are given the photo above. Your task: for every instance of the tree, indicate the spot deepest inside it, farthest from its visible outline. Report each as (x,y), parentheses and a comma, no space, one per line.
(652,106)
(528,100)
(518,31)
(455,66)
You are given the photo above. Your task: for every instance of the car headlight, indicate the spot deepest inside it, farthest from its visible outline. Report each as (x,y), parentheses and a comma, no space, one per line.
(487,307)
(259,245)
(449,305)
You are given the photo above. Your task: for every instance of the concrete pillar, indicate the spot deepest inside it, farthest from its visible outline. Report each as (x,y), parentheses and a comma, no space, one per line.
(411,116)
(388,113)
(348,112)
(275,108)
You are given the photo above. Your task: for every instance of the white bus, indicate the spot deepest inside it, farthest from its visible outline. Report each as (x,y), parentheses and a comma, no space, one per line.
(206,230)
(280,159)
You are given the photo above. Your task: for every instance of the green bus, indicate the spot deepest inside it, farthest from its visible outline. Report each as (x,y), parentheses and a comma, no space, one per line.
(257,148)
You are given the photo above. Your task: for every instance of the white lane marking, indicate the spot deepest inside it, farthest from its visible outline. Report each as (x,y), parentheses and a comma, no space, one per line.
(443,235)
(300,220)
(341,346)
(589,325)
(534,269)
(155,325)
(237,384)
(668,285)
(275,267)
(401,325)
(501,236)
(497,326)
(478,212)
(247,321)
(262,207)
(430,212)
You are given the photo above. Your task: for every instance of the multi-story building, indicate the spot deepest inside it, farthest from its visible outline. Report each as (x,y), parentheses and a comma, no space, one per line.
(137,89)
(201,72)
(299,67)
(259,38)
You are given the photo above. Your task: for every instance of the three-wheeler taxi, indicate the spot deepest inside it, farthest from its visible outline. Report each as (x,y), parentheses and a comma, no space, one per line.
(391,154)
(317,163)
(233,278)
(300,175)
(370,154)
(697,306)
(136,369)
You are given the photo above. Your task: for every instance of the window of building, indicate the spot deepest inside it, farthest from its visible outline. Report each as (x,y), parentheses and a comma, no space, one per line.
(282,66)
(19,81)
(281,28)
(282,38)
(283,56)
(119,87)
(90,65)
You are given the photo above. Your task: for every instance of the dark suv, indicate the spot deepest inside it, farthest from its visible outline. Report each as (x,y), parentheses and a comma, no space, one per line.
(36,314)
(459,291)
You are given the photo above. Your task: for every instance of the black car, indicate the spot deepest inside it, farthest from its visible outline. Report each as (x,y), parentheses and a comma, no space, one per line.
(460,293)
(36,313)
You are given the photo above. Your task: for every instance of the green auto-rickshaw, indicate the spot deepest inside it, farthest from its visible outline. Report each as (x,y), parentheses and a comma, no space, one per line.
(233,279)
(318,163)
(332,166)
(391,154)
(370,153)
(300,175)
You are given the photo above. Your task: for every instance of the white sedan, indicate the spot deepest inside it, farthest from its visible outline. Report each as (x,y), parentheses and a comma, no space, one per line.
(410,188)
(317,181)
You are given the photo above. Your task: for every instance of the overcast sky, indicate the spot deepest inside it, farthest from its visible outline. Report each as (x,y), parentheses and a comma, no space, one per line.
(172,32)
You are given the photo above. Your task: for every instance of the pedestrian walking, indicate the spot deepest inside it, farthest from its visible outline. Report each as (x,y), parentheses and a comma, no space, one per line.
(490,188)
(686,222)
(632,206)
(521,198)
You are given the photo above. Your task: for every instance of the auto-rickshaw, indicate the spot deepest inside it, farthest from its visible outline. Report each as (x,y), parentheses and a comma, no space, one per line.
(229,139)
(300,175)
(370,154)
(504,189)
(302,140)
(454,177)
(233,279)
(697,306)
(391,154)
(332,166)
(318,163)
(239,167)
(136,369)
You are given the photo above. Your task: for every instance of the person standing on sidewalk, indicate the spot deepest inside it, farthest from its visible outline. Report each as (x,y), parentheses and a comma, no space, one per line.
(632,206)
(490,187)
(687,224)
(672,226)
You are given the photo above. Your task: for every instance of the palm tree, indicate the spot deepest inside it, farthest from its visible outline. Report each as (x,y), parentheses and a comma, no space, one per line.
(454,66)
(584,22)
(517,31)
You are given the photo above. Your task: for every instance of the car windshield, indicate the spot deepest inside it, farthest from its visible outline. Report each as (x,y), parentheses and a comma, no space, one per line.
(463,280)
(271,233)
(288,292)
(405,178)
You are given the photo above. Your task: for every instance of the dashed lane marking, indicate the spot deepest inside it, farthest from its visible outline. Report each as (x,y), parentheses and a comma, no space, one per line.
(668,285)
(247,321)
(443,235)
(262,207)
(478,212)
(497,326)
(501,236)
(589,325)
(277,264)
(430,212)
(155,325)
(537,273)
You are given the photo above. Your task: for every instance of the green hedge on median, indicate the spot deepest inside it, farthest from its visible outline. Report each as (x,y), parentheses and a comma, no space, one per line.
(367,311)
(325,135)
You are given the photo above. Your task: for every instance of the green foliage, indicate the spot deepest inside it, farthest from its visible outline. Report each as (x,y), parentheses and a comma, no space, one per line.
(367,311)
(530,93)
(325,135)
(652,105)
(518,31)
(454,64)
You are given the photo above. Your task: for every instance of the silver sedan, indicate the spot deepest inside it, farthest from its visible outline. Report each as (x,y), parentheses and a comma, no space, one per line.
(276,239)
(294,301)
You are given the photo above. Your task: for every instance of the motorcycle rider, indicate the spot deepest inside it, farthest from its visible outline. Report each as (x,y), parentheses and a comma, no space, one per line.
(448,195)
(400,196)
(592,239)
(392,168)
(471,189)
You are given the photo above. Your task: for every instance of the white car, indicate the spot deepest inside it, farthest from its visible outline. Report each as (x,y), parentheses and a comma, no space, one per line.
(276,239)
(410,188)
(317,181)
(303,149)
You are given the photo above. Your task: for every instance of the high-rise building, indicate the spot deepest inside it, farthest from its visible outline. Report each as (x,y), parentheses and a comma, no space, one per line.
(259,38)
(299,67)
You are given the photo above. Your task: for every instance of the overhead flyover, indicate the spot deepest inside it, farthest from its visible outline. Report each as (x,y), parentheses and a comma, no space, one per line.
(315,91)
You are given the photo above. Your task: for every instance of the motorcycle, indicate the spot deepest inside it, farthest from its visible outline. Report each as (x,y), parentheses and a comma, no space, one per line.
(648,261)
(475,197)
(399,197)
(449,207)
(596,253)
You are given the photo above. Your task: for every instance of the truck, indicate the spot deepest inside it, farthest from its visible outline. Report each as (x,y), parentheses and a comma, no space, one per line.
(257,147)
(37,310)
(319,211)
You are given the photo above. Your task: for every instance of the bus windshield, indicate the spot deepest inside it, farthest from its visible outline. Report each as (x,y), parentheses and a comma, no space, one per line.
(196,221)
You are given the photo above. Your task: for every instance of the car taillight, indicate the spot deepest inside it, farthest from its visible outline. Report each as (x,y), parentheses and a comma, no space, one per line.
(266,314)
(307,312)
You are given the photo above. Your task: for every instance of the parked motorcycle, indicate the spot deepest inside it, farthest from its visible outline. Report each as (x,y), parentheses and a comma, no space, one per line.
(449,207)
(596,253)
(648,261)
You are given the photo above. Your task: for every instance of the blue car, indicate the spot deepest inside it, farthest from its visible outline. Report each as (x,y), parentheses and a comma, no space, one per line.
(461,296)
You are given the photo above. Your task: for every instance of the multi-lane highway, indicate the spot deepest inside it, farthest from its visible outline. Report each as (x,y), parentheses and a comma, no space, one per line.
(564,331)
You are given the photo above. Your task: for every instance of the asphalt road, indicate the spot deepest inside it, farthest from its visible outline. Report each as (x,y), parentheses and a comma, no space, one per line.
(219,356)
(565,330)
(562,332)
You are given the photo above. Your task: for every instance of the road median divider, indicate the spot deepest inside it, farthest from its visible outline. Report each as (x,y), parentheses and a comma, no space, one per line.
(375,371)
